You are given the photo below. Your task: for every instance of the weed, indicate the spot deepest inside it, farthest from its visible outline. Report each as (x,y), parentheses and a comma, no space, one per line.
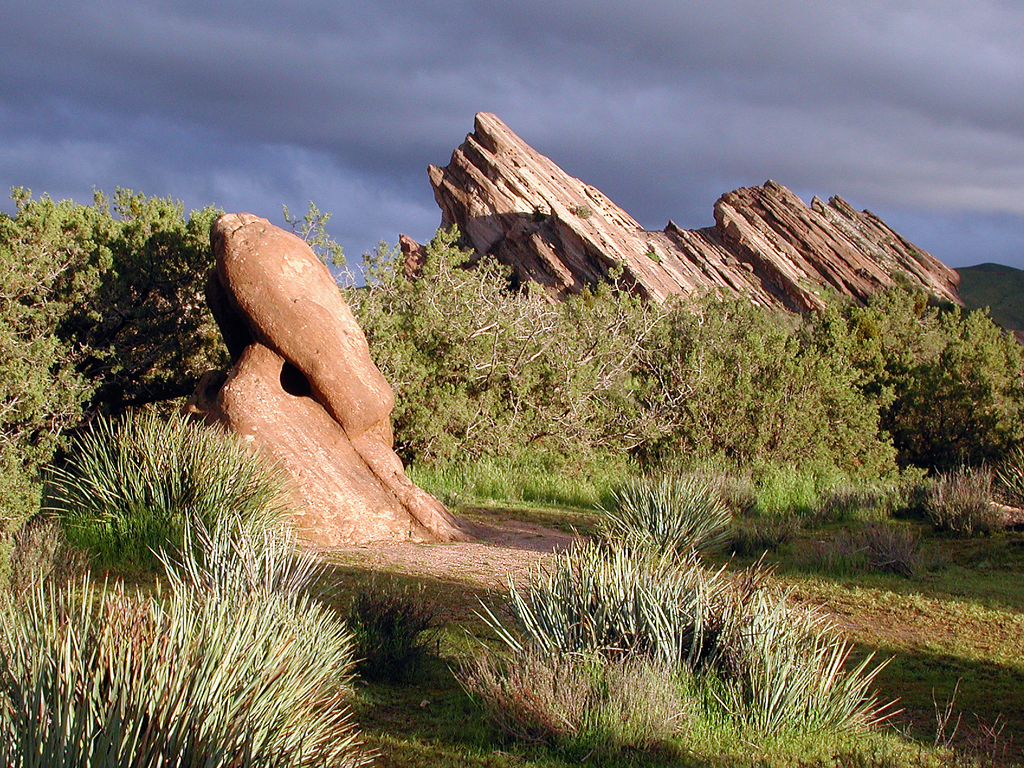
(394,627)
(960,502)
(252,675)
(880,546)
(753,538)
(40,553)
(583,211)
(573,700)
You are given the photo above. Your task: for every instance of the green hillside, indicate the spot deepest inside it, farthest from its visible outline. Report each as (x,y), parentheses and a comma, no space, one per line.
(998,287)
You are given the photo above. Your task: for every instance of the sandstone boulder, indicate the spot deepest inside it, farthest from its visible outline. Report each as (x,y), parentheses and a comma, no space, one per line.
(304,391)
(511,202)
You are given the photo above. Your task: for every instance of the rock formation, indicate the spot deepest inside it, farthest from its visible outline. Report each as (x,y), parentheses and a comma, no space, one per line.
(517,205)
(304,391)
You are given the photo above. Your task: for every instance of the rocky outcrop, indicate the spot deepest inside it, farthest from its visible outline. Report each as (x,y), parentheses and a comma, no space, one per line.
(304,391)
(511,202)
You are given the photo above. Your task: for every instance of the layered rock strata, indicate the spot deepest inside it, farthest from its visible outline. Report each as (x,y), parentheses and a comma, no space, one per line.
(303,390)
(511,202)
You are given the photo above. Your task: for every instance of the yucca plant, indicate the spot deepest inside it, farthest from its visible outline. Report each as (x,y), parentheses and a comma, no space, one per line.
(786,667)
(132,486)
(677,514)
(775,663)
(1011,476)
(617,600)
(254,675)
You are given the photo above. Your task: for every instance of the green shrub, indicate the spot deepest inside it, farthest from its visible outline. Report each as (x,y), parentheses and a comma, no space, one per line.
(133,486)
(682,515)
(960,503)
(394,627)
(256,675)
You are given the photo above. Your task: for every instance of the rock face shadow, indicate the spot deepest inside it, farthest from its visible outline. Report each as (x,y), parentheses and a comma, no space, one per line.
(303,391)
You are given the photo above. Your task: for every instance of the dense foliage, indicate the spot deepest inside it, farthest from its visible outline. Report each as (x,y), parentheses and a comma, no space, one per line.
(101,308)
(482,371)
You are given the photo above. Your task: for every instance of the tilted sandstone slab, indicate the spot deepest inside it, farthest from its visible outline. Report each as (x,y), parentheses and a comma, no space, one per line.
(511,202)
(304,391)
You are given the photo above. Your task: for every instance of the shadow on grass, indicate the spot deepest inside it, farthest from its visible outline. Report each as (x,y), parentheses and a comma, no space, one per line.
(987,698)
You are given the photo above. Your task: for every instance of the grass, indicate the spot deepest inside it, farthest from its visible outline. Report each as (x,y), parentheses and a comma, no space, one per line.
(954,622)
(959,616)
(234,665)
(133,486)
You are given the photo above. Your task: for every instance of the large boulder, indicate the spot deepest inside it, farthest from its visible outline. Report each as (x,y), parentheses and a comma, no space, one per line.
(304,391)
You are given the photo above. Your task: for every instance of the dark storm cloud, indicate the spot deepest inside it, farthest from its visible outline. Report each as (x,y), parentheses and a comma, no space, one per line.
(914,108)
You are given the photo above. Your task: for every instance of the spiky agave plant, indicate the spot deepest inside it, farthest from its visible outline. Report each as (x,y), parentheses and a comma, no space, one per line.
(133,485)
(247,675)
(678,514)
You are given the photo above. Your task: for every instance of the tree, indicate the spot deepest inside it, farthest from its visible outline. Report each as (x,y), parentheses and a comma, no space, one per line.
(101,309)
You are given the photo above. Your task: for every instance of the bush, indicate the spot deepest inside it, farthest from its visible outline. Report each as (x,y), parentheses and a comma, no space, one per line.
(100,311)
(881,546)
(960,503)
(777,665)
(786,669)
(40,554)
(755,537)
(681,515)
(1011,476)
(616,600)
(135,485)
(254,676)
(578,701)
(393,627)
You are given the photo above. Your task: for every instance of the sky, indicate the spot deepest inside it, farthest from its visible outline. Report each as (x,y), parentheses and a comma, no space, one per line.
(913,109)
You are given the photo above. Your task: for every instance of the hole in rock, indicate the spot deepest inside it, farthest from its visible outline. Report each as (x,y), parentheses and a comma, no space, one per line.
(294,382)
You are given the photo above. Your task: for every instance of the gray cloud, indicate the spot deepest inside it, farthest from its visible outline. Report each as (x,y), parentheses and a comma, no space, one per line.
(913,108)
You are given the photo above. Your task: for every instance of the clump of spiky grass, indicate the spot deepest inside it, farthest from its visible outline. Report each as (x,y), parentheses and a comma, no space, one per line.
(775,663)
(1011,476)
(614,599)
(223,671)
(785,667)
(133,486)
(960,503)
(678,514)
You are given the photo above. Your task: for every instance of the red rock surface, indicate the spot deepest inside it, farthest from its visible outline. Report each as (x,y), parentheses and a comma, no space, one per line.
(512,202)
(304,391)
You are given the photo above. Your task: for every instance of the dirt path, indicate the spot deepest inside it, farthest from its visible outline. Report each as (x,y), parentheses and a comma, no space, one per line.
(459,574)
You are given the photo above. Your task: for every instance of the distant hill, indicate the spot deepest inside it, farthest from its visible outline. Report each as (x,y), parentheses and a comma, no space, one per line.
(998,287)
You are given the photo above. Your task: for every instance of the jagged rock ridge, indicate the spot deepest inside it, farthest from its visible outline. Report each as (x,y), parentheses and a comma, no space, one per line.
(517,205)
